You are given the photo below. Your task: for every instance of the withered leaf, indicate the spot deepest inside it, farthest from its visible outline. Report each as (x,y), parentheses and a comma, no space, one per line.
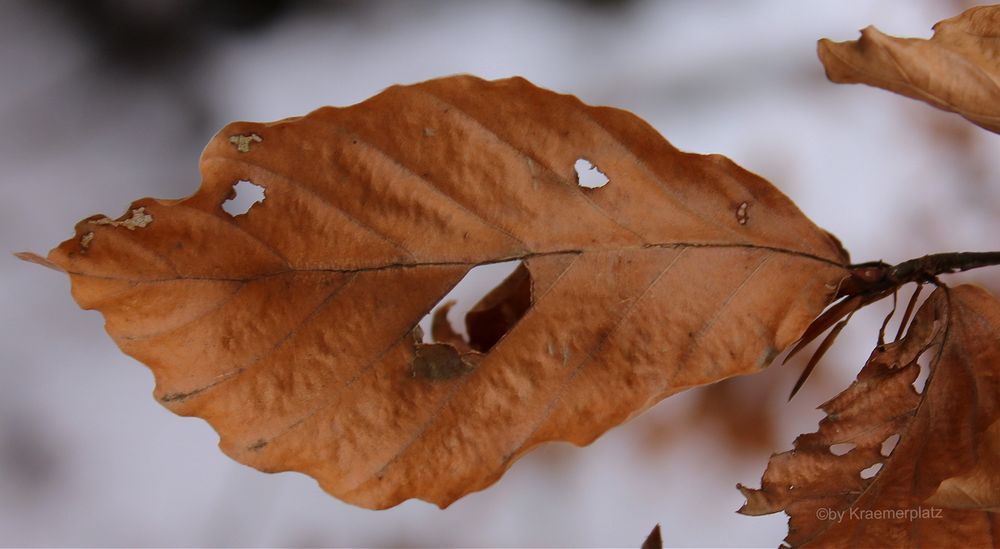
(978,488)
(654,540)
(957,70)
(290,328)
(829,499)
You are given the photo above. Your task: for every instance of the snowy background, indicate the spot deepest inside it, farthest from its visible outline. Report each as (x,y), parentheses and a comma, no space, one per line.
(104,102)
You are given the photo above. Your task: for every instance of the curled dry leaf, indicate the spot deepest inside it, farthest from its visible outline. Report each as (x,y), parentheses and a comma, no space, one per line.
(980,487)
(291,328)
(957,70)
(938,434)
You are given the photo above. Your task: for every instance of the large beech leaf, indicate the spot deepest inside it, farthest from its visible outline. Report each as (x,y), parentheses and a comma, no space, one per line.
(291,328)
(957,70)
(939,434)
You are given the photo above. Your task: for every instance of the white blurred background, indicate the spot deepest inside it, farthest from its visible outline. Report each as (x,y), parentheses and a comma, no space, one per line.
(107,101)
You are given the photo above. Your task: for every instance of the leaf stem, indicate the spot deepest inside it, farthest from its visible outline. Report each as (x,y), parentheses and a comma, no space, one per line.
(877,276)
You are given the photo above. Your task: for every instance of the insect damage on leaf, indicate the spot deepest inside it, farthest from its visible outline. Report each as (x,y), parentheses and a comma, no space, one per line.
(884,449)
(245,195)
(292,332)
(139,219)
(86,239)
(243,142)
(741,213)
(588,176)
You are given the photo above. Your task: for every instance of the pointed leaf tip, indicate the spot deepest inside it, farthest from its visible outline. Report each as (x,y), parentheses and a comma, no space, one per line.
(32,257)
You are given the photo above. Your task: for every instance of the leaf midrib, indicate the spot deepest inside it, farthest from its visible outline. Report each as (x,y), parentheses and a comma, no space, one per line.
(470,264)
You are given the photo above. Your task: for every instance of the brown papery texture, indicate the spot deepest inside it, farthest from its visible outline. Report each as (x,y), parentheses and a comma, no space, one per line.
(290,329)
(942,433)
(978,488)
(957,70)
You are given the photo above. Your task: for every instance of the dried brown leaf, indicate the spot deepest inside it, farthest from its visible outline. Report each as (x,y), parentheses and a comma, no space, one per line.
(957,70)
(654,540)
(980,487)
(829,500)
(291,328)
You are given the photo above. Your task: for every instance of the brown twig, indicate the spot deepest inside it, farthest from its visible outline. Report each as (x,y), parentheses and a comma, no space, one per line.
(870,282)
(876,276)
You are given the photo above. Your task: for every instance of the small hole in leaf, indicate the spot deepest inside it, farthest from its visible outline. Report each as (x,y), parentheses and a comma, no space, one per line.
(923,362)
(587,174)
(842,448)
(245,194)
(489,314)
(889,444)
(870,472)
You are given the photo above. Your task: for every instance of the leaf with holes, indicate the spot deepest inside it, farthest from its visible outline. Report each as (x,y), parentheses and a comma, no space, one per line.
(844,485)
(957,70)
(292,328)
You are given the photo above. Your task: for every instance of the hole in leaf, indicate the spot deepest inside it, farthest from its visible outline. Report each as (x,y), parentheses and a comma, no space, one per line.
(587,174)
(245,194)
(487,317)
(842,448)
(889,444)
(870,472)
(923,362)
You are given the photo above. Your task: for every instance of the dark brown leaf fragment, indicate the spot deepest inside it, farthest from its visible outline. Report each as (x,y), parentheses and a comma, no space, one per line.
(834,501)
(654,540)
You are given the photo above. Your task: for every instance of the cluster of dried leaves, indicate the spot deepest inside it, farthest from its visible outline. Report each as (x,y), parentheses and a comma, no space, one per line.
(891,466)
(292,329)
